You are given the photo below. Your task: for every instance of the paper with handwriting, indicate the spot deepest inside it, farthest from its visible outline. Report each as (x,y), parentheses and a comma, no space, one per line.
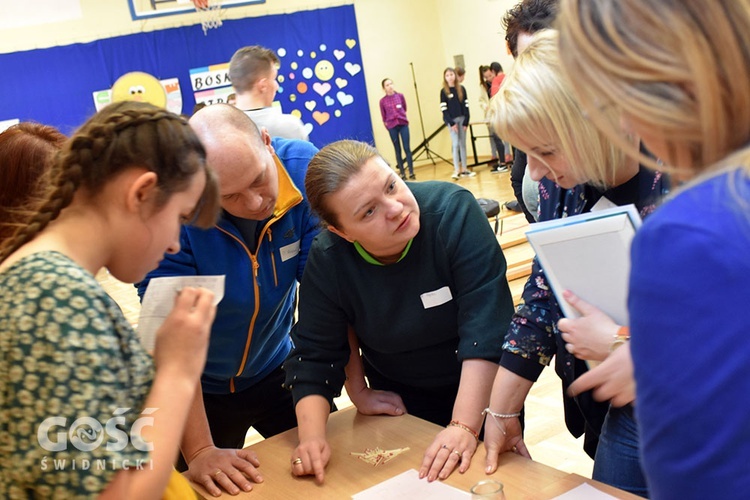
(159,298)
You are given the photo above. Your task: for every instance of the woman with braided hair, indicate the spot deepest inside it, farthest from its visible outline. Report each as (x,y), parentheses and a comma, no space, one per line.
(84,411)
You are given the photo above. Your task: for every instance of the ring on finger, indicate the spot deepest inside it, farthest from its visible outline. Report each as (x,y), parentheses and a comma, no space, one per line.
(218,471)
(457,453)
(297,461)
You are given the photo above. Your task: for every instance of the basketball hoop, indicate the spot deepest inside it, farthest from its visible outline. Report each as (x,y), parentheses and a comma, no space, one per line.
(209,13)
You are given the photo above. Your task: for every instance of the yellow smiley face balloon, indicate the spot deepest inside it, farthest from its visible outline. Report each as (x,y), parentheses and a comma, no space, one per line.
(141,87)
(324,70)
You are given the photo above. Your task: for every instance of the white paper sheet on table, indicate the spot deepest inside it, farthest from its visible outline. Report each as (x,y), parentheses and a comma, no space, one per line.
(408,486)
(585,492)
(158,301)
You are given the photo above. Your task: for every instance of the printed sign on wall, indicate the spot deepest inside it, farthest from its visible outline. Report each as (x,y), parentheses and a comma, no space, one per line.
(210,77)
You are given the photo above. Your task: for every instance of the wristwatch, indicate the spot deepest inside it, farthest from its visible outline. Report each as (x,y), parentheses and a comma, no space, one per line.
(622,336)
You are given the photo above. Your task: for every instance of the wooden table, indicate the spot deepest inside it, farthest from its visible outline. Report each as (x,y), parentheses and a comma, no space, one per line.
(349,431)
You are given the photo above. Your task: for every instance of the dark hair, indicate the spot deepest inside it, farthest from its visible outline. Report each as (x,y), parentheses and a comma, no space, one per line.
(482,69)
(330,169)
(27,151)
(382,84)
(527,16)
(250,64)
(459,71)
(496,67)
(198,106)
(118,137)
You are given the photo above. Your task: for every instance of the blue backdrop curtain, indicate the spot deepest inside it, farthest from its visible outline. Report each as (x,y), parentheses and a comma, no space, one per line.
(317,48)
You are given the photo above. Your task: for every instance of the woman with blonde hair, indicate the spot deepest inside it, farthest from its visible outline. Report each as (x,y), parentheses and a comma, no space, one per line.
(85,411)
(537,111)
(678,74)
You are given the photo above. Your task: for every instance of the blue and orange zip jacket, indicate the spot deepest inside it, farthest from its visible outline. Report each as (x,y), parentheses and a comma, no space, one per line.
(250,335)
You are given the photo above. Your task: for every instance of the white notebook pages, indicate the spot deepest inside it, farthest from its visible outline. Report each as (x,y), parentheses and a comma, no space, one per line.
(589,254)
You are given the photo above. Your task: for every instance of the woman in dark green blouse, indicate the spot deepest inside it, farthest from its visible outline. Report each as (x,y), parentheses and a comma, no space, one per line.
(416,272)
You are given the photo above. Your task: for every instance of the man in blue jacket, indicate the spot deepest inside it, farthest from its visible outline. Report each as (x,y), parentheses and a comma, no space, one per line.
(260,244)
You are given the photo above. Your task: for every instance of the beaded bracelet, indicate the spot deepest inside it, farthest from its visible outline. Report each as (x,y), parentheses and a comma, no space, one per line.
(495,417)
(456,423)
(487,411)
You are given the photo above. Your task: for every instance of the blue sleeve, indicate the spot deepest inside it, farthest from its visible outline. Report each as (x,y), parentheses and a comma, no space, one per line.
(180,264)
(295,156)
(688,292)
(309,223)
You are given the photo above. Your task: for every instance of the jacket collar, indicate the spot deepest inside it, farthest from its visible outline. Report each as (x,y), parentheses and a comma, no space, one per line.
(289,195)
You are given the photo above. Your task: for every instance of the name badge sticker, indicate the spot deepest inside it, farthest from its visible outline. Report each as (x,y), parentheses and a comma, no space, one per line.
(289,251)
(436,298)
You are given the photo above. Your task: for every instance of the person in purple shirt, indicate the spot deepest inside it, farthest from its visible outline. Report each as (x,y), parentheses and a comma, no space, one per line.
(393,111)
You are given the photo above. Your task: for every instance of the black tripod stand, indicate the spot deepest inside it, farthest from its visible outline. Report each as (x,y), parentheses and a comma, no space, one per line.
(424,146)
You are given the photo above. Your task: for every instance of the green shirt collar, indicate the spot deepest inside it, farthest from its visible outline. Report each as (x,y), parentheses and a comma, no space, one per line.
(372,260)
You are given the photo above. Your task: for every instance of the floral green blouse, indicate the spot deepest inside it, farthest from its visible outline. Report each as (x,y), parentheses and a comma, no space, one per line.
(73,381)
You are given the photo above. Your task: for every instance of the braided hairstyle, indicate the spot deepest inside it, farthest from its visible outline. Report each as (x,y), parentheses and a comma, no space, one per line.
(27,151)
(121,136)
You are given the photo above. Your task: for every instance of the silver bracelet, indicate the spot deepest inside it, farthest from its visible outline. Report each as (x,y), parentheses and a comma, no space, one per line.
(487,411)
(496,416)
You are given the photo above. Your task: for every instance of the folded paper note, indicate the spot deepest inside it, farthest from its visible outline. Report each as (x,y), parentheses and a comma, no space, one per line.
(159,298)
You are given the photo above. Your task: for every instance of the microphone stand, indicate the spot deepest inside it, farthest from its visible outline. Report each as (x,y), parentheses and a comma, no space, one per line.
(424,147)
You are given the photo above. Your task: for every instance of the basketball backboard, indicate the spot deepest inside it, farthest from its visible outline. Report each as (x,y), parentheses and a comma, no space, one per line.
(145,9)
